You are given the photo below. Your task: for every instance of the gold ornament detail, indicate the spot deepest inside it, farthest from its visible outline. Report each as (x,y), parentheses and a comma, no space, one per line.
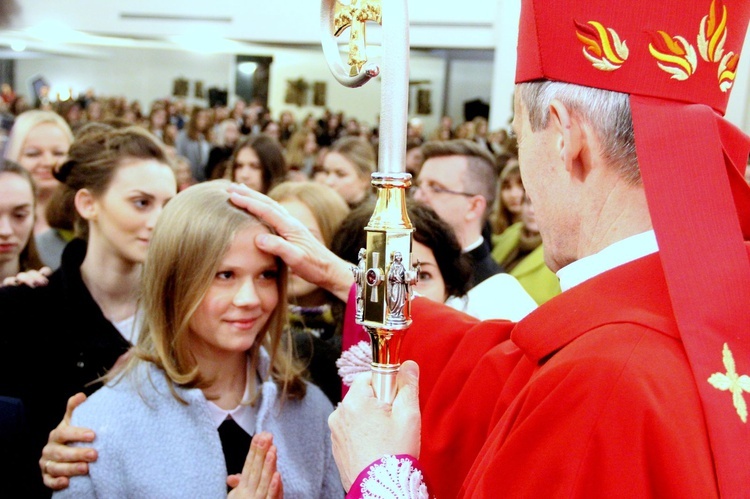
(353,14)
(732,382)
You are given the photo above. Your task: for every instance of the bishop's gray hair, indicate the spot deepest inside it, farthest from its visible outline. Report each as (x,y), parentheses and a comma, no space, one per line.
(607,112)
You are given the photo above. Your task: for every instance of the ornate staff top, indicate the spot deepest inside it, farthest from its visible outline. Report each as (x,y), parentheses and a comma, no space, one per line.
(335,17)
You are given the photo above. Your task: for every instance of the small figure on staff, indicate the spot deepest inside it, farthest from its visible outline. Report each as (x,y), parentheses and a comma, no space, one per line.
(397,289)
(359,280)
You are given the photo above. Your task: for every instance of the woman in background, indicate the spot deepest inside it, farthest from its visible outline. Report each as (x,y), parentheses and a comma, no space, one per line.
(315,314)
(157,120)
(73,330)
(193,142)
(301,153)
(39,141)
(520,251)
(182,172)
(508,210)
(349,165)
(226,138)
(258,162)
(17,203)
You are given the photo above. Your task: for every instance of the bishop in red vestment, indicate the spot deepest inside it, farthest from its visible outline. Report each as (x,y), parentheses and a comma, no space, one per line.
(633,381)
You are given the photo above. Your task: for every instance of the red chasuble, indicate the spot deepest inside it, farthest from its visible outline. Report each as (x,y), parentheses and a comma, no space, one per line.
(593,397)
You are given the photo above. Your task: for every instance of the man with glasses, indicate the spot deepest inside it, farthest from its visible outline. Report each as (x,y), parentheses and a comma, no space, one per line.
(458,180)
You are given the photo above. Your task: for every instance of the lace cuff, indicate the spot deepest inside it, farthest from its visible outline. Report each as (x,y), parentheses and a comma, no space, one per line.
(392,477)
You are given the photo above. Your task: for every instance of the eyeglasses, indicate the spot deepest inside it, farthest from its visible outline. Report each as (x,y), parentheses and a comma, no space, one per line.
(434,189)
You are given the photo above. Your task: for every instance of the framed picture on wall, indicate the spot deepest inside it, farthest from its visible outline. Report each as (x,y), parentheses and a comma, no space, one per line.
(319,93)
(424,101)
(296,92)
(180,87)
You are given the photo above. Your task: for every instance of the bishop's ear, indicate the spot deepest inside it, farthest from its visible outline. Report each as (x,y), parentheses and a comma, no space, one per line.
(569,134)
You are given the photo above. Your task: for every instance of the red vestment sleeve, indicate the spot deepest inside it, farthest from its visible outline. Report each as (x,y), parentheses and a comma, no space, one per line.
(459,386)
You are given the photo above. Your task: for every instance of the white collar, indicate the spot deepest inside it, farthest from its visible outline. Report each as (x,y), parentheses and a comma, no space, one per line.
(616,254)
(474,245)
(243,414)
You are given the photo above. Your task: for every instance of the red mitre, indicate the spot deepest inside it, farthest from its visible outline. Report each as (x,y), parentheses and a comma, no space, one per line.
(678,62)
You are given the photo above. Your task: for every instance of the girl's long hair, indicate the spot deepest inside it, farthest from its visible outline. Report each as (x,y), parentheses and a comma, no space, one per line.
(193,233)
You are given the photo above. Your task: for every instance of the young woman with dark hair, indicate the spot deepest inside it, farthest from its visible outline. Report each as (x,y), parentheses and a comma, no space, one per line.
(73,330)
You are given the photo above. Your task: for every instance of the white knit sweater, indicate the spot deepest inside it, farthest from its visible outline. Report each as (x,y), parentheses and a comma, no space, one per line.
(161,448)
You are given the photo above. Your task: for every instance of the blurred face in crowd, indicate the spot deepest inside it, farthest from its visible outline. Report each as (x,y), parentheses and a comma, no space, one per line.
(273,130)
(414,160)
(345,178)
(183,174)
(527,216)
(239,302)
(286,118)
(300,211)
(431,284)
(45,148)
(221,113)
(171,131)
(231,134)
(201,121)
(123,217)
(248,169)
(311,144)
(512,193)
(16,220)
(159,118)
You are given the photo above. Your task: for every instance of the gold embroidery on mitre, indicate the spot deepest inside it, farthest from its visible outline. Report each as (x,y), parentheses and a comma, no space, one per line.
(728,71)
(733,382)
(674,55)
(713,33)
(602,46)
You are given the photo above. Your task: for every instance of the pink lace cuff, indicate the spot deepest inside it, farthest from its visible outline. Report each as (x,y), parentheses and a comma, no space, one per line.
(391,477)
(353,361)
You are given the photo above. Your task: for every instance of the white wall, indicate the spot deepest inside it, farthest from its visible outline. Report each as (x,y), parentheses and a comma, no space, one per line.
(468,80)
(148,74)
(143,75)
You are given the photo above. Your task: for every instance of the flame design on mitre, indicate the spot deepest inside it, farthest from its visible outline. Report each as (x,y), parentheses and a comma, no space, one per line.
(602,46)
(713,33)
(674,55)
(728,71)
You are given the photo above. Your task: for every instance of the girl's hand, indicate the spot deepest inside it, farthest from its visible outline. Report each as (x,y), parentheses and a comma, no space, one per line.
(259,478)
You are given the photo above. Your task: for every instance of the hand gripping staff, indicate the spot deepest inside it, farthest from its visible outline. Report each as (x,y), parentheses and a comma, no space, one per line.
(384,275)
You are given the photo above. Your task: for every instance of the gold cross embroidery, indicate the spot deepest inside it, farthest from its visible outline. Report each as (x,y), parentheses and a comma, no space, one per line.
(353,14)
(733,382)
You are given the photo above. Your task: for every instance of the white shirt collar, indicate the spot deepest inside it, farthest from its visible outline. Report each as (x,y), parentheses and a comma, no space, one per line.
(243,414)
(474,245)
(624,251)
